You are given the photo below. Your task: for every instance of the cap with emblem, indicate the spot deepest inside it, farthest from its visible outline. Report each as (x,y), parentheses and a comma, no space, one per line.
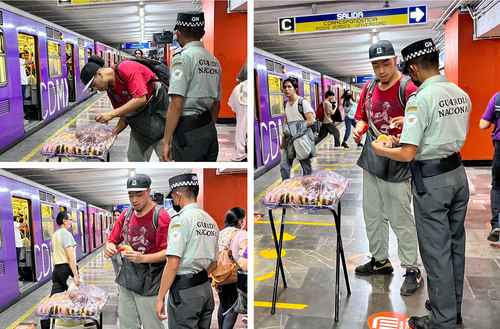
(139,182)
(415,50)
(182,180)
(381,50)
(190,19)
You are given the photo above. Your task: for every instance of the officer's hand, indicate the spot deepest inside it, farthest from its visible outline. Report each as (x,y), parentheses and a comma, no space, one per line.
(110,249)
(166,151)
(103,117)
(160,308)
(133,256)
(397,122)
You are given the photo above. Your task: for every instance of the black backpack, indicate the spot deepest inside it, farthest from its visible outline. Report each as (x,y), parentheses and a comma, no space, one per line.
(497,108)
(159,68)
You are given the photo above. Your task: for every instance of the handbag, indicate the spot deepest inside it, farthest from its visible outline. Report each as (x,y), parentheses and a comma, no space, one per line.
(382,167)
(227,269)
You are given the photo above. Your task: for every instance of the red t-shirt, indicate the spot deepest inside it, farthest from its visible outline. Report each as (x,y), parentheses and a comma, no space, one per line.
(141,233)
(385,106)
(132,82)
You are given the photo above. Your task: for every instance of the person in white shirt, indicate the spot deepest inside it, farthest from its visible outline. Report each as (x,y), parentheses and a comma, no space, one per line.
(296,109)
(238,103)
(24,76)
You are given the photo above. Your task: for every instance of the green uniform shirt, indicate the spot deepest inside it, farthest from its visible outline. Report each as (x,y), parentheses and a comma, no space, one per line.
(195,75)
(436,119)
(193,236)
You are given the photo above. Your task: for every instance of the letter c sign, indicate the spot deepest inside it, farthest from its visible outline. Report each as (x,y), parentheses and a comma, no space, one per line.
(287,25)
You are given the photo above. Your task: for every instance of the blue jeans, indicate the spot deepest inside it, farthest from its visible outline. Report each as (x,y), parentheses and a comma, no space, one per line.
(286,166)
(495,188)
(348,123)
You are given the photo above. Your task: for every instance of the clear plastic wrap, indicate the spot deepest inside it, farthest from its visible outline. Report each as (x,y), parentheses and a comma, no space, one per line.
(88,140)
(82,302)
(322,189)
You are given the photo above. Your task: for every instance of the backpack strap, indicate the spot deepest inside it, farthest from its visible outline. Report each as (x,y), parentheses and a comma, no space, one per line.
(403,83)
(126,221)
(156,215)
(300,107)
(496,112)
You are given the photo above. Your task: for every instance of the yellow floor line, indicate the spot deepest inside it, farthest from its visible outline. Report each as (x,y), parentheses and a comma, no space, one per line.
(287,306)
(289,222)
(265,277)
(23,317)
(36,150)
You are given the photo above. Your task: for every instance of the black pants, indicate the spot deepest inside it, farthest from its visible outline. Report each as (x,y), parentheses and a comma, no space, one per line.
(227,297)
(329,128)
(495,187)
(60,275)
(200,144)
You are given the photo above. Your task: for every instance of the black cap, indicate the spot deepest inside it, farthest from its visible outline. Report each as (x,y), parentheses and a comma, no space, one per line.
(88,73)
(139,182)
(415,50)
(190,19)
(381,50)
(182,180)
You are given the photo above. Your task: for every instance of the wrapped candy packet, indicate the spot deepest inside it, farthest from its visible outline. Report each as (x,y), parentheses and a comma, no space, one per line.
(321,189)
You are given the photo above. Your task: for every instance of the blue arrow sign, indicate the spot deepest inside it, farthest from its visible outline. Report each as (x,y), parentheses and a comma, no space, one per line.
(135,45)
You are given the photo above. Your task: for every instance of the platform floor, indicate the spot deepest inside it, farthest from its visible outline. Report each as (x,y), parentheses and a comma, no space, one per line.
(29,148)
(96,270)
(309,260)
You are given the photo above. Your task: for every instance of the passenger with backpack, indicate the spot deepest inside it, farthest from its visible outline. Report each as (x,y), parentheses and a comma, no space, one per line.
(350,106)
(139,237)
(386,183)
(298,135)
(138,90)
(232,243)
(492,116)
(326,111)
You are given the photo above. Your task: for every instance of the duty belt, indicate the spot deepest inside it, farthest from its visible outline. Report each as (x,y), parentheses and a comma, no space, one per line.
(186,281)
(430,168)
(189,123)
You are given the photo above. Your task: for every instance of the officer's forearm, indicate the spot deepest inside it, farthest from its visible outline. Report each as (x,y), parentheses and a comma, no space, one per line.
(173,114)
(215,110)
(168,276)
(157,257)
(405,153)
(131,106)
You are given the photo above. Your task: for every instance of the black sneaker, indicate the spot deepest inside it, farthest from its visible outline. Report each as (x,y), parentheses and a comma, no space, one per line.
(373,267)
(344,145)
(419,322)
(413,281)
(494,235)
(429,308)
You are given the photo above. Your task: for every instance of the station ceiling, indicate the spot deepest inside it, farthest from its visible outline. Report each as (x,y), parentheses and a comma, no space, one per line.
(113,22)
(100,187)
(340,53)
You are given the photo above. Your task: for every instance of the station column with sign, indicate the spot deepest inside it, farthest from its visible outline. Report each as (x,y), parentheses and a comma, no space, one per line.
(473,66)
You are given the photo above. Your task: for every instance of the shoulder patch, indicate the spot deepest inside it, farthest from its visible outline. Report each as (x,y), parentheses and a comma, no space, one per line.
(411,109)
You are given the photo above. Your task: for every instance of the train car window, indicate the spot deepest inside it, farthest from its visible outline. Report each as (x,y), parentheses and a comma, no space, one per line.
(275,95)
(3,64)
(21,214)
(89,53)
(307,91)
(47,221)
(54,59)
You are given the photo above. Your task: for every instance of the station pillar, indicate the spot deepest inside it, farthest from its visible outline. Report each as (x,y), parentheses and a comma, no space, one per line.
(473,66)
(226,38)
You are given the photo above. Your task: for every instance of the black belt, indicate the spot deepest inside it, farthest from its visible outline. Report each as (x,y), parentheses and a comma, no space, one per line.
(431,168)
(186,281)
(189,123)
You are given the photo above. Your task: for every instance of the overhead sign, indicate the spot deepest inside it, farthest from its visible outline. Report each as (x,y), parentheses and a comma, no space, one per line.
(135,45)
(353,20)
(81,2)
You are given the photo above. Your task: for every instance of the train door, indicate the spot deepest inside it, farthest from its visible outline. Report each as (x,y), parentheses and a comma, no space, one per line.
(70,69)
(82,232)
(30,79)
(109,59)
(89,53)
(93,231)
(317,97)
(23,229)
(101,229)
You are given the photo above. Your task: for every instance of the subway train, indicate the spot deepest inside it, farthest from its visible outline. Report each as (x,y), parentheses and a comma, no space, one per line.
(269,72)
(53,57)
(32,208)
